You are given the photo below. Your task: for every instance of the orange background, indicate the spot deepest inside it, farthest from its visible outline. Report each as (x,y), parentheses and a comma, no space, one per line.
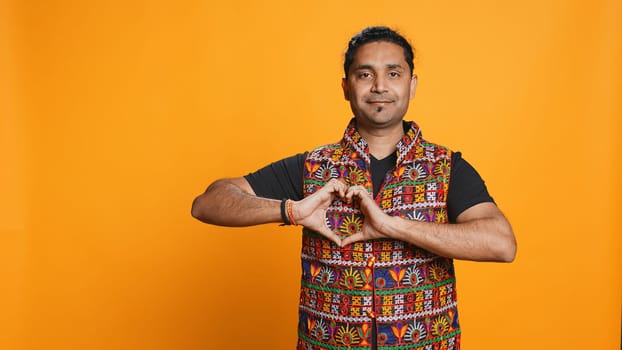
(116,114)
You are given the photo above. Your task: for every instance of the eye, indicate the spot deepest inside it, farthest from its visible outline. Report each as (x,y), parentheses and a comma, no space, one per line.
(394,74)
(364,75)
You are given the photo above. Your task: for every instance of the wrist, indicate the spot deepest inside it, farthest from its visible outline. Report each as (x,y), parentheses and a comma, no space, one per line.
(290,212)
(390,226)
(284,216)
(287,212)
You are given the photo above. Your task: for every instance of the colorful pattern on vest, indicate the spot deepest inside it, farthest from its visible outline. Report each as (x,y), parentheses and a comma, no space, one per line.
(407,292)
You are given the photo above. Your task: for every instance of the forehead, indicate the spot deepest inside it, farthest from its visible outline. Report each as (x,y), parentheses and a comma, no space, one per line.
(379,54)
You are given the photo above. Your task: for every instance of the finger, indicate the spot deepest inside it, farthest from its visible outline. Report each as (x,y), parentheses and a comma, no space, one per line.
(340,187)
(356,192)
(353,239)
(331,187)
(366,197)
(350,194)
(326,232)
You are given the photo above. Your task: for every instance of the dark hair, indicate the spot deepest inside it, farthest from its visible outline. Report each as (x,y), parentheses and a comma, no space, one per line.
(374,34)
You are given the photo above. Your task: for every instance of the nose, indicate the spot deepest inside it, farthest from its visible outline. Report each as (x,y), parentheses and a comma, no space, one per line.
(379,85)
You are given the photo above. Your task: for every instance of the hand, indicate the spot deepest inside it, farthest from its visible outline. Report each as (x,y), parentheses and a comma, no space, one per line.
(376,221)
(311,211)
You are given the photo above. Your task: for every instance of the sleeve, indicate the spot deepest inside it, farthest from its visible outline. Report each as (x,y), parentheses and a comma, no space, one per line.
(281,179)
(466,187)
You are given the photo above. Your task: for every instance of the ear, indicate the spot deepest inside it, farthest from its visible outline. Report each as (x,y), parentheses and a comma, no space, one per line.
(413,85)
(346,89)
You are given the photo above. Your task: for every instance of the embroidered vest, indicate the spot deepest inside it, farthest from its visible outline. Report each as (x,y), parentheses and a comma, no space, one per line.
(405,294)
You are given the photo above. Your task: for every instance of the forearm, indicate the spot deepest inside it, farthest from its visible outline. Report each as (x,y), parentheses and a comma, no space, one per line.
(483,239)
(227,203)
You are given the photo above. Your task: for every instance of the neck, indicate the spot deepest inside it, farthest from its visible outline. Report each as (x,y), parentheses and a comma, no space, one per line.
(382,142)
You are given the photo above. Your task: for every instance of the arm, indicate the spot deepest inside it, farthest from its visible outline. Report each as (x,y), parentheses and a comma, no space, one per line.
(232,202)
(481,232)
(222,203)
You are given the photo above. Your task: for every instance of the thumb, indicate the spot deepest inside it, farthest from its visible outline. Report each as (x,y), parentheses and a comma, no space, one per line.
(352,239)
(329,234)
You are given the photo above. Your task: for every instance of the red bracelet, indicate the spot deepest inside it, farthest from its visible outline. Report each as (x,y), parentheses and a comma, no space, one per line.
(289,204)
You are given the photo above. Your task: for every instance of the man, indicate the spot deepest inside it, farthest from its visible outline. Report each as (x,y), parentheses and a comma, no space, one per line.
(383,212)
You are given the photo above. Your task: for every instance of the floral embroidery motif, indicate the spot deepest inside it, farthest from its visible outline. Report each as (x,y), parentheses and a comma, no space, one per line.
(440,326)
(416,331)
(347,336)
(352,279)
(350,225)
(326,172)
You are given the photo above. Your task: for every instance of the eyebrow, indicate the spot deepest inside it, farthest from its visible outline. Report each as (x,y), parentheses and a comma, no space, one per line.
(394,66)
(368,66)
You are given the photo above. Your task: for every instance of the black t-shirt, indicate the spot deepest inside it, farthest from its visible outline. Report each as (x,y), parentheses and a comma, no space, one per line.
(283,179)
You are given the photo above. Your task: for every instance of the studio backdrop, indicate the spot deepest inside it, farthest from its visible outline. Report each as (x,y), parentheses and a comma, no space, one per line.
(114,115)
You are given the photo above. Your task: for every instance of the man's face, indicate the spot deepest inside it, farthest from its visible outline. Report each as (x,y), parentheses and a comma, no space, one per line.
(379,85)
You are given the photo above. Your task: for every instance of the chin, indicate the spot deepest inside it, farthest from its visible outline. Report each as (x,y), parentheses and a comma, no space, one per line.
(380,120)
